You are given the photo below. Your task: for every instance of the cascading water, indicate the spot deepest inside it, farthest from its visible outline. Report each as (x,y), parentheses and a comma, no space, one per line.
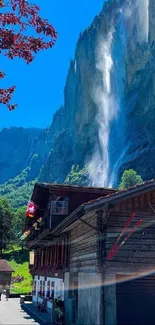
(117,146)
(140,9)
(99,166)
(138,12)
(109,93)
(143,20)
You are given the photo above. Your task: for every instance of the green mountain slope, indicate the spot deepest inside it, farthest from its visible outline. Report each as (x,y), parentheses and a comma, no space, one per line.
(19,189)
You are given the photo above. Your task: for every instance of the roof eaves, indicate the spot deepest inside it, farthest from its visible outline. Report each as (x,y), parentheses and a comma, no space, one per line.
(116,197)
(74,187)
(30,244)
(100,203)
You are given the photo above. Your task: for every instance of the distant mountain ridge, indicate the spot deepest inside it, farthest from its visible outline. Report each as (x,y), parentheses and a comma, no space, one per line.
(18,147)
(23,153)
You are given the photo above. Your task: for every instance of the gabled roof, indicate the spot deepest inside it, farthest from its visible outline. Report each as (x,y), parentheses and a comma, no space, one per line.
(101,202)
(5,267)
(121,194)
(75,188)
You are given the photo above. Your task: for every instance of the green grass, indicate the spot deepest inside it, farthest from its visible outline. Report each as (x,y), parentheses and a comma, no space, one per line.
(18,260)
(11,250)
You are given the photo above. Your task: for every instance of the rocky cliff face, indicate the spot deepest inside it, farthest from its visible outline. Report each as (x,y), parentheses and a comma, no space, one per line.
(107,120)
(78,134)
(139,94)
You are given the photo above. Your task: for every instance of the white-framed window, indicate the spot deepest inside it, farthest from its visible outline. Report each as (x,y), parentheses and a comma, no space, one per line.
(59,207)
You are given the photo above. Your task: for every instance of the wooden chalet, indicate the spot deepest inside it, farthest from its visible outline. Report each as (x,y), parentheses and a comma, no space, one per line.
(49,255)
(120,290)
(99,288)
(5,273)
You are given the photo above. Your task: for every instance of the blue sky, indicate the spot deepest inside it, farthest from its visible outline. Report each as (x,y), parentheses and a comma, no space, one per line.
(40,85)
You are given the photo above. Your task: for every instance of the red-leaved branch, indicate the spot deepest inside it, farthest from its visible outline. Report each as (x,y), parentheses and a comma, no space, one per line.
(18,19)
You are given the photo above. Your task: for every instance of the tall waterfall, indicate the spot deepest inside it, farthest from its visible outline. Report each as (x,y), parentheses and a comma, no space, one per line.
(99,166)
(109,99)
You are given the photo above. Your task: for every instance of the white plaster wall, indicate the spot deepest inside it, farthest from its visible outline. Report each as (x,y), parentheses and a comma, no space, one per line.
(45,288)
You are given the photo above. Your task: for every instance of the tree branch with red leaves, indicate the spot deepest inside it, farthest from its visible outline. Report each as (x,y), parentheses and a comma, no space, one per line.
(21,20)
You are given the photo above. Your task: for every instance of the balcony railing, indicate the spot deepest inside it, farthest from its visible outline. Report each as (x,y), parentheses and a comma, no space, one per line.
(45,269)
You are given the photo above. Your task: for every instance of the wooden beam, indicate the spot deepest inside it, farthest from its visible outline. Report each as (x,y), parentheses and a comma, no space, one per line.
(37,240)
(102,217)
(87,224)
(120,268)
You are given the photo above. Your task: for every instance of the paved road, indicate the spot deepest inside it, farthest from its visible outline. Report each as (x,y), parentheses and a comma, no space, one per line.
(12,314)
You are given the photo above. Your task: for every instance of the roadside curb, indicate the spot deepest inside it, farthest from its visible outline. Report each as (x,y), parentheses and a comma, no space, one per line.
(34,315)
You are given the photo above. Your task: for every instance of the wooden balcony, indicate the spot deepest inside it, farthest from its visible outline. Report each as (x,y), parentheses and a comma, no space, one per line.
(50,259)
(46,270)
(40,231)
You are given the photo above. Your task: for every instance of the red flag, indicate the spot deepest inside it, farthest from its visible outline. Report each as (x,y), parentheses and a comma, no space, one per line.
(31,209)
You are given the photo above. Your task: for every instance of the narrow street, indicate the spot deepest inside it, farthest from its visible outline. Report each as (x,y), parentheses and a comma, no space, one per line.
(12,314)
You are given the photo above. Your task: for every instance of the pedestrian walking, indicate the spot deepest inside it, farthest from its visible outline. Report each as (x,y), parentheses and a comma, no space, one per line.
(7,292)
(1,291)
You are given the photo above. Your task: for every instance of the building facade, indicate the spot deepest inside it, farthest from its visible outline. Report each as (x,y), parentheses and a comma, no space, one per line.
(104,253)
(119,288)
(49,206)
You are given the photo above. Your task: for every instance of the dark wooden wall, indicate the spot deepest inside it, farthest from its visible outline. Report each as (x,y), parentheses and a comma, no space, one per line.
(139,250)
(135,301)
(52,258)
(83,247)
(77,197)
(137,203)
